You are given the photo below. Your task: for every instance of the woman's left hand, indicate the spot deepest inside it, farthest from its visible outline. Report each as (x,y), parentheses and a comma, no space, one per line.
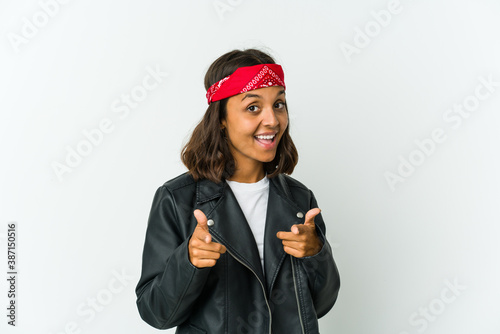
(303,239)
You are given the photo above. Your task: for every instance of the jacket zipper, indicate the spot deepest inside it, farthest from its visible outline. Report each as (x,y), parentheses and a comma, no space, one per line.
(297,295)
(261,285)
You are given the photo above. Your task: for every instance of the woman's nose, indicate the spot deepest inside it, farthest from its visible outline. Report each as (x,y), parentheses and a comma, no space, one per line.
(269,117)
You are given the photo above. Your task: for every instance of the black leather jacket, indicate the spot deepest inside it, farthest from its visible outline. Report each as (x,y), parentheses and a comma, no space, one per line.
(236,295)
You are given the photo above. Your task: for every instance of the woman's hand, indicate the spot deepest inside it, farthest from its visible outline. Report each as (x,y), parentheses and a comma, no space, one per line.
(202,251)
(303,239)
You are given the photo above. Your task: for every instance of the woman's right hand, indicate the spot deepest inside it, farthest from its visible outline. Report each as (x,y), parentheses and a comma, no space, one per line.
(202,251)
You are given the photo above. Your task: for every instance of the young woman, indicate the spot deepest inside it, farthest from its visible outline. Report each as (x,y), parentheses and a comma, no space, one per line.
(235,245)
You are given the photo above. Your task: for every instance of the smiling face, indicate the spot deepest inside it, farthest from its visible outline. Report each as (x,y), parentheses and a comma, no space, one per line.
(254,125)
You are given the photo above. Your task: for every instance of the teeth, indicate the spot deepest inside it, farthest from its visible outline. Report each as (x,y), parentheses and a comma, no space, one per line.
(265,137)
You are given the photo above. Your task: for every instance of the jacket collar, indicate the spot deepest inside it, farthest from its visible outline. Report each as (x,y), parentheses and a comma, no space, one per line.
(231,229)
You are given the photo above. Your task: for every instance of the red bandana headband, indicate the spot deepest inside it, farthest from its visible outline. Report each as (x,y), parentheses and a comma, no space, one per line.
(245,79)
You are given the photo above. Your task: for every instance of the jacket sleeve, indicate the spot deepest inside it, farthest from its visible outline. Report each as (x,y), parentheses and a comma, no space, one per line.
(321,270)
(169,284)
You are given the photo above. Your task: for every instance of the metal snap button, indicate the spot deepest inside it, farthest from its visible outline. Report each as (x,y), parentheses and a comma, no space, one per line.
(300,215)
(210,222)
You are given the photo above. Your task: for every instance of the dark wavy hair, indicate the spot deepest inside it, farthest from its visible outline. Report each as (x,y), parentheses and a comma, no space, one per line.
(207,154)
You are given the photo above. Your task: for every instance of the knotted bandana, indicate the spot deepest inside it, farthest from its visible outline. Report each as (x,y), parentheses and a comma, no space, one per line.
(245,79)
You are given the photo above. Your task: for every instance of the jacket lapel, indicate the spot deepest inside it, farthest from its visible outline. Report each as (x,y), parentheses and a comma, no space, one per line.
(281,215)
(230,226)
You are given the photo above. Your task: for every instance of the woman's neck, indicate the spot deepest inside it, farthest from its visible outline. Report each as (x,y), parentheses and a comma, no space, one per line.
(248,176)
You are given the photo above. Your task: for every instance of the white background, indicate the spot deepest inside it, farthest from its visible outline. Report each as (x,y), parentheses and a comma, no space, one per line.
(353,118)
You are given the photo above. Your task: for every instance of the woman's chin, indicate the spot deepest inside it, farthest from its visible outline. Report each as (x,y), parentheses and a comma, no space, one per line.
(268,158)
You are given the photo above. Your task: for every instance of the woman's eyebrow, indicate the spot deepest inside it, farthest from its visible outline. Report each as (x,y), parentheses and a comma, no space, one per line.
(251,95)
(281,92)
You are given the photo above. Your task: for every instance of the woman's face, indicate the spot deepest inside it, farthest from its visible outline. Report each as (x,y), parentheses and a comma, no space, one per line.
(254,125)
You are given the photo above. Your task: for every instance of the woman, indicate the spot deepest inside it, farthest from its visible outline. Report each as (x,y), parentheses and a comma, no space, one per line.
(234,245)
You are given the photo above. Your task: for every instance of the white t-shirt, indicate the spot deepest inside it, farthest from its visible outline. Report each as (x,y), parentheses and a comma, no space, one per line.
(252,198)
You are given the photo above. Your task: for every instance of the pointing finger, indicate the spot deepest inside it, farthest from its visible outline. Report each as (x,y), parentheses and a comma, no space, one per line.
(299,229)
(295,229)
(289,235)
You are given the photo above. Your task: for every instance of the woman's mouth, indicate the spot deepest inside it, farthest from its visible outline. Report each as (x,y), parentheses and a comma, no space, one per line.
(266,141)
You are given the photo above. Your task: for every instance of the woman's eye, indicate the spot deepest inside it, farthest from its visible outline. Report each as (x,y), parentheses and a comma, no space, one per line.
(252,108)
(279,105)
